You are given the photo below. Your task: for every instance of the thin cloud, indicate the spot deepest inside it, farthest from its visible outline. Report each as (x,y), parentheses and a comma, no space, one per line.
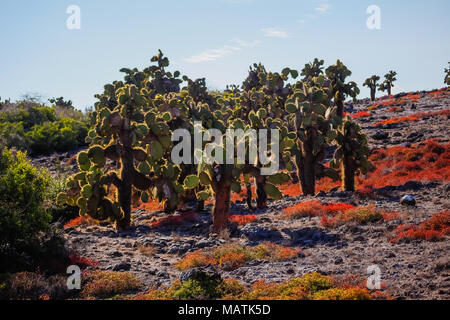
(226,50)
(275,33)
(323,8)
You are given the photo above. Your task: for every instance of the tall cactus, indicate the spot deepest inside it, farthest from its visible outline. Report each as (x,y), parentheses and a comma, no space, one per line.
(132,130)
(388,82)
(261,104)
(311,117)
(312,69)
(340,90)
(372,84)
(447,76)
(352,152)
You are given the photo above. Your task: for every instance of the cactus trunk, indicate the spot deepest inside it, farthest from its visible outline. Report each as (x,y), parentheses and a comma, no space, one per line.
(125,189)
(221,208)
(249,196)
(389,89)
(340,108)
(261,196)
(307,174)
(372,94)
(348,177)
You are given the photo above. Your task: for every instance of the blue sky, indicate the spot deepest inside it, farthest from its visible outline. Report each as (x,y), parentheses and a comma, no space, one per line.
(216,39)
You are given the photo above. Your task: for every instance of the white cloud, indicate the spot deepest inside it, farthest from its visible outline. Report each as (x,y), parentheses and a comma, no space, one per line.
(323,7)
(272,32)
(214,54)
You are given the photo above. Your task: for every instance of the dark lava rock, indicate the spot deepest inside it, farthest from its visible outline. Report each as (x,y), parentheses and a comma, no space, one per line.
(122,267)
(408,200)
(412,185)
(380,135)
(200,274)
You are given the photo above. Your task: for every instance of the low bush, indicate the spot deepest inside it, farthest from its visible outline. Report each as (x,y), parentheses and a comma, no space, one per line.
(105,284)
(233,256)
(22,194)
(311,286)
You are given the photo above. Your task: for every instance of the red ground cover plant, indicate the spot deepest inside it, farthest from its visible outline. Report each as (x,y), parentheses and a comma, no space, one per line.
(414,117)
(176,219)
(233,256)
(82,262)
(427,161)
(316,208)
(361,114)
(151,206)
(243,219)
(433,229)
(359,215)
(80,221)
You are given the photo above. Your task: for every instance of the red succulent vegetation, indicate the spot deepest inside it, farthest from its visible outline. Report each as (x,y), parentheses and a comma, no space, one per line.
(433,229)
(176,219)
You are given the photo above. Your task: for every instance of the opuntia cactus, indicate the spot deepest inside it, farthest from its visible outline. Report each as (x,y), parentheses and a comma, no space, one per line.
(312,69)
(340,90)
(312,118)
(372,84)
(388,82)
(447,76)
(352,152)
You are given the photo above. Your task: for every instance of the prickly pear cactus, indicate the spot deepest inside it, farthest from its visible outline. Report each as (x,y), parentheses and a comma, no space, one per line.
(130,147)
(447,76)
(388,82)
(312,118)
(338,73)
(372,84)
(352,153)
(312,69)
(262,107)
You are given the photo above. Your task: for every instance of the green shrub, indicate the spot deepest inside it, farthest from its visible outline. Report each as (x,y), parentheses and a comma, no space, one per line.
(63,135)
(13,135)
(22,192)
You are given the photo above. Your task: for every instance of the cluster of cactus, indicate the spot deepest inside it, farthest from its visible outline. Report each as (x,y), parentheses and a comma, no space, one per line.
(447,75)
(130,154)
(337,74)
(388,82)
(372,84)
(352,152)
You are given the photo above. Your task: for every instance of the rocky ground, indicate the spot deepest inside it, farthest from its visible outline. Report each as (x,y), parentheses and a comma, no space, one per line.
(410,270)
